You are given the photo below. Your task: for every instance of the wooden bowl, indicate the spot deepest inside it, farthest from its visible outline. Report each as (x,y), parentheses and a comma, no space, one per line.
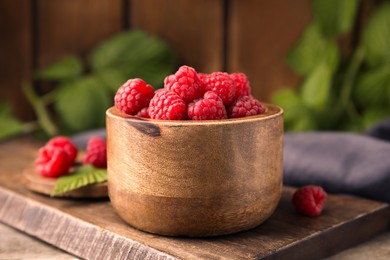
(195,178)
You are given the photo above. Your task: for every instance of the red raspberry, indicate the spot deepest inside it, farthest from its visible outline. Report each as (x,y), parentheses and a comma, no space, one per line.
(167,105)
(132,96)
(64,143)
(185,83)
(96,152)
(309,200)
(245,106)
(242,84)
(144,112)
(210,107)
(222,84)
(52,162)
(56,157)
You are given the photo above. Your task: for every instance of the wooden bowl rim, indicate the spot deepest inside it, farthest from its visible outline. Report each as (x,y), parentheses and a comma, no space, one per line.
(271,111)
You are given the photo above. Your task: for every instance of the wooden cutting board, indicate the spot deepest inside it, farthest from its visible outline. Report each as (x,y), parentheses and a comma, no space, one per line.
(91,229)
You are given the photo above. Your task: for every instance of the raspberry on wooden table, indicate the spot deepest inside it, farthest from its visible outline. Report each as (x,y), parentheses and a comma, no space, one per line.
(167,105)
(245,106)
(64,143)
(210,107)
(96,153)
(309,200)
(132,96)
(185,83)
(56,157)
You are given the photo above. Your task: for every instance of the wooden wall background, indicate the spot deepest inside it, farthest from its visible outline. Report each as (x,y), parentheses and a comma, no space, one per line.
(252,36)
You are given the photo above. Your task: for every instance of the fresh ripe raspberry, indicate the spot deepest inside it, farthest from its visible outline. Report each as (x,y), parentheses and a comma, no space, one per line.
(56,157)
(167,105)
(96,152)
(245,106)
(202,76)
(52,162)
(222,84)
(309,200)
(242,84)
(144,112)
(64,143)
(132,96)
(185,83)
(210,107)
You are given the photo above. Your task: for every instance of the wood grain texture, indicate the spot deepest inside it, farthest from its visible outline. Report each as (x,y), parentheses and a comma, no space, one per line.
(193,29)
(91,229)
(260,33)
(15,54)
(195,178)
(74,27)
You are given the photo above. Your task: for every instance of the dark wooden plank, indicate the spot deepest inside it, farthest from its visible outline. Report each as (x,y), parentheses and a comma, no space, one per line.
(15,54)
(260,33)
(74,27)
(91,228)
(193,28)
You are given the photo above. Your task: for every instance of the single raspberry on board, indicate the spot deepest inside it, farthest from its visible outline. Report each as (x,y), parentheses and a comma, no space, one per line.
(56,157)
(185,83)
(309,200)
(242,84)
(52,162)
(245,106)
(96,153)
(222,84)
(210,107)
(144,112)
(132,96)
(167,105)
(64,143)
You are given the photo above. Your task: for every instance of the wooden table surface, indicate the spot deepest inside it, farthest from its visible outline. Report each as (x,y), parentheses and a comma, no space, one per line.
(93,230)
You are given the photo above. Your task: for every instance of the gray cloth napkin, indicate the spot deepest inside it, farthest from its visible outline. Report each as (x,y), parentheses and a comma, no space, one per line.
(341,162)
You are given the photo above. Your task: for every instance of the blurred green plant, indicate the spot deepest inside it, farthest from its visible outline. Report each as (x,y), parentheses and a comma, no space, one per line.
(339,93)
(85,90)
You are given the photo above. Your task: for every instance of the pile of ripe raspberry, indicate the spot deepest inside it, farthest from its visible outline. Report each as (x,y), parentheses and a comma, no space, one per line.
(58,156)
(190,95)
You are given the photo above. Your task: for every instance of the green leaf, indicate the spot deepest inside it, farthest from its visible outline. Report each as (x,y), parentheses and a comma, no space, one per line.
(112,78)
(9,125)
(83,176)
(134,54)
(316,89)
(289,100)
(376,37)
(374,115)
(295,113)
(311,50)
(66,68)
(81,104)
(335,17)
(373,88)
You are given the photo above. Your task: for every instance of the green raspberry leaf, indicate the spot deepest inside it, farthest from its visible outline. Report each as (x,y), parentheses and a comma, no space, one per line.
(81,104)
(297,116)
(133,54)
(9,125)
(311,50)
(373,88)
(66,68)
(83,176)
(317,87)
(335,17)
(376,37)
